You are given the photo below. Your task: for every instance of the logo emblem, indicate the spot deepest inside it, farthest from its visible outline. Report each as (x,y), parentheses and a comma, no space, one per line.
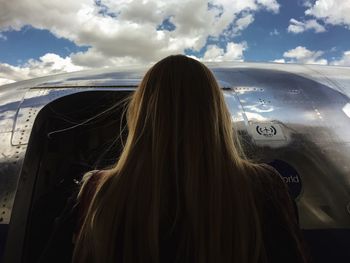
(290,176)
(267,131)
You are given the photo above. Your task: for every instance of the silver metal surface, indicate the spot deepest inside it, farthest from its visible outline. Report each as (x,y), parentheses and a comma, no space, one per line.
(308,106)
(313,121)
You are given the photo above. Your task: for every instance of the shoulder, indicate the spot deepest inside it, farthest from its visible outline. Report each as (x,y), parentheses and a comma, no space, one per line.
(275,181)
(279,218)
(271,191)
(266,177)
(267,171)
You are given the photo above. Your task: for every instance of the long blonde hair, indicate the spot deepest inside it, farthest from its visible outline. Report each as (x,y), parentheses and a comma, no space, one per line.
(180,184)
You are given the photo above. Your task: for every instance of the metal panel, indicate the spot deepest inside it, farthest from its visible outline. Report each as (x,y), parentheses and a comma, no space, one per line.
(33,101)
(280,97)
(11,159)
(314,137)
(10,99)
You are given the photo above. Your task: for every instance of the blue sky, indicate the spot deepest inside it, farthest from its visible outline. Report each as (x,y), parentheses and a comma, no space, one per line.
(53,36)
(30,43)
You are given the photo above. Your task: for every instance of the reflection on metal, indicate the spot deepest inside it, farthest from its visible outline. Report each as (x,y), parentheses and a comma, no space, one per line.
(346,109)
(293,113)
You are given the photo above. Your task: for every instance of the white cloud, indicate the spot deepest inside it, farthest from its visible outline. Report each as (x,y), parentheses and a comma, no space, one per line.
(335,12)
(234,52)
(13,73)
(281,60)
(303,56)
(125,31)
(3,37)
(51,64)
(243,22)
(274,32)
(94,58)
(343,61)
(271,5)
(46,65)
(213,53)
(296,26)
(307,3)
(313,24)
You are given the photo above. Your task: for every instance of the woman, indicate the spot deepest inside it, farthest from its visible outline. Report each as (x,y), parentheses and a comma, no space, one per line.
(181,191)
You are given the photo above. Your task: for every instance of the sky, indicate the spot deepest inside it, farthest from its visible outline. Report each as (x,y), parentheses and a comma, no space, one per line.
(44,37)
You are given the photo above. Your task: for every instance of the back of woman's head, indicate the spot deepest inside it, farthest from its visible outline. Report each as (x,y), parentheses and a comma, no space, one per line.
(179,190)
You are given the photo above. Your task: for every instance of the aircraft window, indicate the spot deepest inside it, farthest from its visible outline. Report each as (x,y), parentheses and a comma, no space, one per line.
(66,153)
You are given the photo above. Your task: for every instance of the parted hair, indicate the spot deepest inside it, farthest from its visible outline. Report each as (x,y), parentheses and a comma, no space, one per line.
(181,187)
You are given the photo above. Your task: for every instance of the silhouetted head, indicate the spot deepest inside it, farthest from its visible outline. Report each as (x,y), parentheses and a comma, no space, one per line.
(178,103)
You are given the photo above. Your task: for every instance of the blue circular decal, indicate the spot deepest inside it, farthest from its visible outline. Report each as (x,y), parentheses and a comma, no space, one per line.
(290,176)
